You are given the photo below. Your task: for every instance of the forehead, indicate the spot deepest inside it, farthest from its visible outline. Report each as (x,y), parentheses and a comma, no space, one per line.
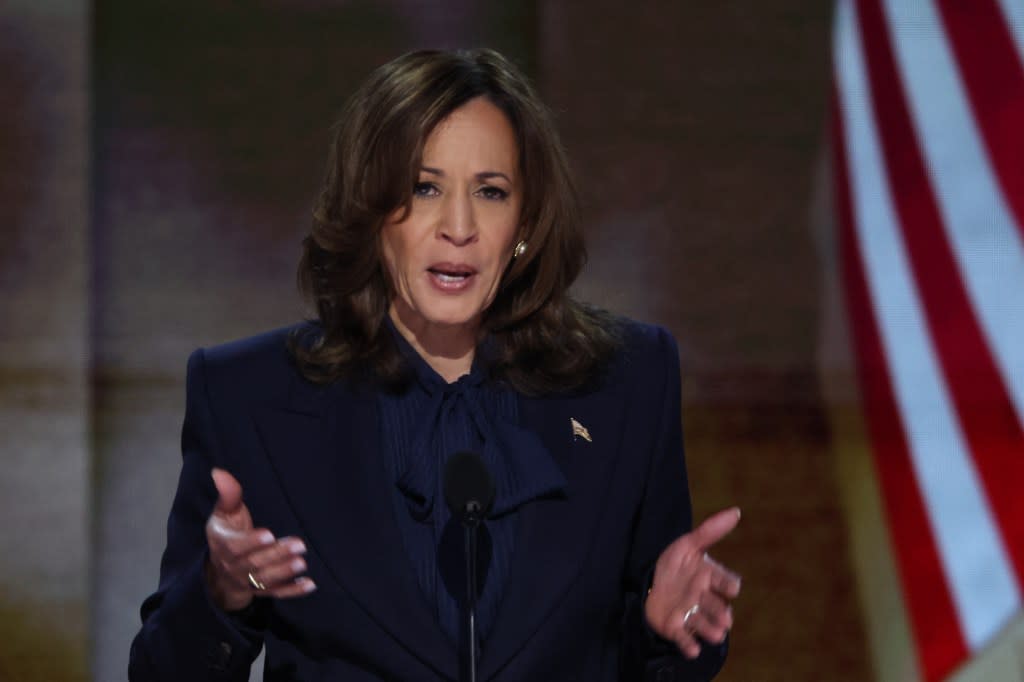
(478,132)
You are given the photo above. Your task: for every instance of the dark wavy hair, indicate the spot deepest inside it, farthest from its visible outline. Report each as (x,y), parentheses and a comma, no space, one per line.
(543,340)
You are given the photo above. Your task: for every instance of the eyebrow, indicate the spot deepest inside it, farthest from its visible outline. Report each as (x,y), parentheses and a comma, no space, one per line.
(483,175)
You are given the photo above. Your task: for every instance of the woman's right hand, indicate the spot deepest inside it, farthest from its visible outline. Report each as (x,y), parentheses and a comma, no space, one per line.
(245,561)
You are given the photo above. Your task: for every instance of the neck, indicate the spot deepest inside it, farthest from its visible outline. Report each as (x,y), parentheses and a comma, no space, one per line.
(448,349)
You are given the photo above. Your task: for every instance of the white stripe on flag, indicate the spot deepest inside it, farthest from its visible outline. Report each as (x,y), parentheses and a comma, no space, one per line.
(981,230)
(960,518)
(1013,13)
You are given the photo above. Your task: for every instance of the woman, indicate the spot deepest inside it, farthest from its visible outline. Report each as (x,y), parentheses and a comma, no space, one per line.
(442,248)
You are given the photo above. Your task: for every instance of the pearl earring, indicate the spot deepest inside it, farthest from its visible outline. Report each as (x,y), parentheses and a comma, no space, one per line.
(519,250)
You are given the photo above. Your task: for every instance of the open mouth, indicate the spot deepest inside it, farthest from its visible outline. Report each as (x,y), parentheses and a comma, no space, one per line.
(452,276)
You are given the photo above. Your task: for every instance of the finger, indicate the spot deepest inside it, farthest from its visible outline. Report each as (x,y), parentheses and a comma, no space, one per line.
(229,546)
(267,566)
(682,633)
(715,620)
(281,552)
(229,491)
(703,631)
(716,527)
(279,573)
(298,588)
(723,581)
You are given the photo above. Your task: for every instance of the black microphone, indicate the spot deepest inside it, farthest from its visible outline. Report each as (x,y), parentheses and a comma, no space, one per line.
(468,487)
(469,492)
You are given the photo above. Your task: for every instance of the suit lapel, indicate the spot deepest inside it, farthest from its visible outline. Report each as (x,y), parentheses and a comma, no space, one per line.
(554,533)
(325,449)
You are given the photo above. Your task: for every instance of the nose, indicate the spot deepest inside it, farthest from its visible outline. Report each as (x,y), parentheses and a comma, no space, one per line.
(458,222)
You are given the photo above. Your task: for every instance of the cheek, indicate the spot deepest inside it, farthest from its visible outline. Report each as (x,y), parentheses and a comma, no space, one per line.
(505,245)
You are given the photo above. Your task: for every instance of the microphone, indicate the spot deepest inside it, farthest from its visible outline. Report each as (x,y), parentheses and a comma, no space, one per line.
(469,492)
(468,488)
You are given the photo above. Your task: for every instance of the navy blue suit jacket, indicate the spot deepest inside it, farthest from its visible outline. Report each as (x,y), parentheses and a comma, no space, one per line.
(307,457)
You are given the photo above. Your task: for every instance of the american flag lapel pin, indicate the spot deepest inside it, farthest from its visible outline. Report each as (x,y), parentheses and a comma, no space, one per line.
(580,431)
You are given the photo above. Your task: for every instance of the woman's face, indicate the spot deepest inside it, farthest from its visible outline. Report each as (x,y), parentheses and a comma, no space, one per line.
(446,257)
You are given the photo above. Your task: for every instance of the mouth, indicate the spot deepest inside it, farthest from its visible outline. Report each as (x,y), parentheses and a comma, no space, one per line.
(451,276)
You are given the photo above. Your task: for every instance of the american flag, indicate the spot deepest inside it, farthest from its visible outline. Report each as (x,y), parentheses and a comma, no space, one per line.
(928,162)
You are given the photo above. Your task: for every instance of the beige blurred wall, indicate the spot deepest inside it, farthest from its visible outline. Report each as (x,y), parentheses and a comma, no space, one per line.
(44,428)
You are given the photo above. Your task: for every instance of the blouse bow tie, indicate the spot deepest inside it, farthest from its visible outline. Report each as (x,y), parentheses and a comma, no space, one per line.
(521,466)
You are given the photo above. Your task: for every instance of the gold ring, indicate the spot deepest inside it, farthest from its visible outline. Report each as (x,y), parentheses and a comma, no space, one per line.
(257,585)
(690,613)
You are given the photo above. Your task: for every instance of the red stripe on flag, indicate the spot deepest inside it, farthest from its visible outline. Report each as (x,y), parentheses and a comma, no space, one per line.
(940,644)
(982,401)
(994,79)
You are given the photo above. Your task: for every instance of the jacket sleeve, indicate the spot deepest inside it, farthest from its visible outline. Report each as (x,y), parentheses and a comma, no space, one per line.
(184,635)
(665,514)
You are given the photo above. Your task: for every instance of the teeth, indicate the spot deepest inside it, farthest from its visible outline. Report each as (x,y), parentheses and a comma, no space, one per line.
(450,278)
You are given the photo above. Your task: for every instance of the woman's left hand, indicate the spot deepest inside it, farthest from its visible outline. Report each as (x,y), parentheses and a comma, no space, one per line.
(691,592)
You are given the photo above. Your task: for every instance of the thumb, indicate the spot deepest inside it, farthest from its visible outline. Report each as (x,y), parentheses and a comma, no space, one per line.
(716,527)
(229,492)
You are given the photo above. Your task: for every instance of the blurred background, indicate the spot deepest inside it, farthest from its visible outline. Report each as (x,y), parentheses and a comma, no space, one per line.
(158,164)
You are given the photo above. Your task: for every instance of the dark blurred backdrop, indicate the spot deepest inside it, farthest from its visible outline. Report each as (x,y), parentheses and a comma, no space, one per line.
(158,162)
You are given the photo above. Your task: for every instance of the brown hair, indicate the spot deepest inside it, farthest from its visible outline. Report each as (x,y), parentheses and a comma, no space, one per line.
(544,341)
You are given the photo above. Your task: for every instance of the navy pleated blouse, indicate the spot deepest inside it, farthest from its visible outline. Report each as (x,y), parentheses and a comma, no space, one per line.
(422,426)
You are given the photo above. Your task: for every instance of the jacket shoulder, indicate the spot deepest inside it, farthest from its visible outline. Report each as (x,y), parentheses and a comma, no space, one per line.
(265,347)
(250,367)
(646,348)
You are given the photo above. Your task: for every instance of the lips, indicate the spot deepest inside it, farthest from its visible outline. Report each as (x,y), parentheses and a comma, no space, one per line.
(451,276)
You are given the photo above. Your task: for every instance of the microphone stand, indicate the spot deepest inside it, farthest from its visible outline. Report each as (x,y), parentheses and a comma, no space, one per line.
(469,492)
(471,522)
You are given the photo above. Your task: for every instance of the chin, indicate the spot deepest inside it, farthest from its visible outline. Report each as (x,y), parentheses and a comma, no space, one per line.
(443,313)
(452,320)
(464,314)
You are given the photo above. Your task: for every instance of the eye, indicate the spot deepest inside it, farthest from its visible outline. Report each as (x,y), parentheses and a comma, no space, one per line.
(493,193)
(425,189)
